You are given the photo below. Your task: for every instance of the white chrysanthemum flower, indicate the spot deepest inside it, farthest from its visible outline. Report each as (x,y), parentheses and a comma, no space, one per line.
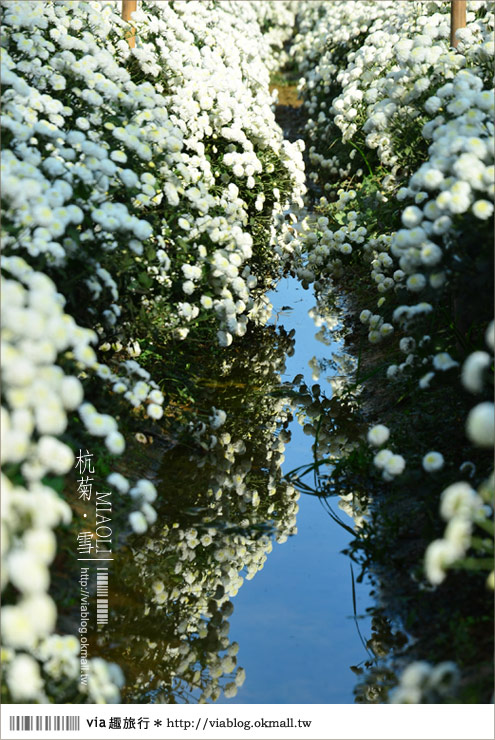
(146,490)
(480,424)
(416,674)
(184,223)
(407,344)
(490,335)
(382,457)
(156,396)
(375,336)
(218,418)
(433,461)
(444,676)
(27,572)
(425,381)
(405,695)
(459,499)
(24,679)
(412,216)
(138,522)
(365,316)
(115,442)
(432,178)
(431,254)
(71,392)
(482,209)
(118,481)
(395,465)
(42,543)
(141,390)
(17,628)
(439,556)
(155,411)
(240,676)
(378,435)
(100,425)
(55,455)
(158,587)
(104,681)
(224,338)
(416,282)
(458,533)
(437,279)
(443,361)
(433,104)
(386,330)
(230,690)
(441,225)
(15,446)
(149,512)
(473,369)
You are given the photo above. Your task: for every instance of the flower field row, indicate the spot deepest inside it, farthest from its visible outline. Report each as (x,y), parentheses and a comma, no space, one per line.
(144,194)
(400,133)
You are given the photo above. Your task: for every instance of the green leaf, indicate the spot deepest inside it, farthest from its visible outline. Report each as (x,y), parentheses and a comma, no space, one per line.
(145,280)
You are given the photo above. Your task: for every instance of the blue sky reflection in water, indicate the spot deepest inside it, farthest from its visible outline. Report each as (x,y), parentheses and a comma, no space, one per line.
(293,621)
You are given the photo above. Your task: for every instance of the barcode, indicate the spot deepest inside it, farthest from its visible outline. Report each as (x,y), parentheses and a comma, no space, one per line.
(51,724)
(102,596)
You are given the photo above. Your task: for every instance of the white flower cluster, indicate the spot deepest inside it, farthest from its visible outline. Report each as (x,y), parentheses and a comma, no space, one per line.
(476,371)
(402,143)
(391,464)
(85,181)
(461,506)
(422,683)
(385,460)
(392,57)
(276,19)
(120,195)
(37,392)
(456,179)
(393,66)
(38,396)
(59,658)
(352,505)
(237,481)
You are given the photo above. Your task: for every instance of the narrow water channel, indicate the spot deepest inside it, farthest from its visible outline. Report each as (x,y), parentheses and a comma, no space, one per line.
(294,622)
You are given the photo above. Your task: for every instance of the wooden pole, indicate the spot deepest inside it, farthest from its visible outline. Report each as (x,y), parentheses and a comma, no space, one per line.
(128,7)
(457,19)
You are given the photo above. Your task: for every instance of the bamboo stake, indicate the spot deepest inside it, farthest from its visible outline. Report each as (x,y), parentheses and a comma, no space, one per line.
(457,19)
(128,7)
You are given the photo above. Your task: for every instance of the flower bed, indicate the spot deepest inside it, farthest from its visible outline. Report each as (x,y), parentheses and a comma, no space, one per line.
(401,130)
(144,194)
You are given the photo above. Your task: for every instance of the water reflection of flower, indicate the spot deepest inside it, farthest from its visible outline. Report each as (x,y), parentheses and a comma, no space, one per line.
(215,528)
